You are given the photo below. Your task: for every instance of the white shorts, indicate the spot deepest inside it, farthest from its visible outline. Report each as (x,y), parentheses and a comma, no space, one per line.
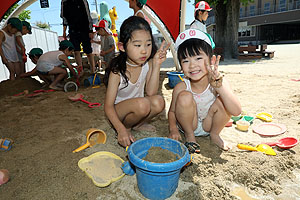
(198,132)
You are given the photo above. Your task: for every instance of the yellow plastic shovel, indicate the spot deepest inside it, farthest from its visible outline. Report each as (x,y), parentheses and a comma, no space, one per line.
(261,147)
(93,136)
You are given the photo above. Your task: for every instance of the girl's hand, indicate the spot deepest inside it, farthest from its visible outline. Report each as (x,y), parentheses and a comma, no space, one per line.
(214,76)
(125,139)
(160,55)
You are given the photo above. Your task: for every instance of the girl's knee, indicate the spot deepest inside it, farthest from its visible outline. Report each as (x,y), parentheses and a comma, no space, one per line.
(158,103)
(184,99)
(143,107)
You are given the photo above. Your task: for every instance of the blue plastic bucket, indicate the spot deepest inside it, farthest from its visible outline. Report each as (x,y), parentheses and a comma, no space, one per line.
(89,81)
(157,180)
(173,78)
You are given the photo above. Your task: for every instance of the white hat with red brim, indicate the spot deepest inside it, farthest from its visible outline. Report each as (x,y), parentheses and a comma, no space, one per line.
(193,34)
(103,24)
(202,5)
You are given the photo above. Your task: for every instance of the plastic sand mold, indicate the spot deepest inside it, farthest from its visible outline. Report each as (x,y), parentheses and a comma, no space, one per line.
(102,167)
(264,116)
(269,129)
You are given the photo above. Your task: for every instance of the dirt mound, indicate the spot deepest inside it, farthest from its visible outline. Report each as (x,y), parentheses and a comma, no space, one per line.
(9,88)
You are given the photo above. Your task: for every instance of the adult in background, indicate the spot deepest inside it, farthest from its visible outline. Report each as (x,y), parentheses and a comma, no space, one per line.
(76,15)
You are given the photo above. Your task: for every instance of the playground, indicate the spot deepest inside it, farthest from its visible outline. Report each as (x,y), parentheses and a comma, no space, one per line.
(42,165)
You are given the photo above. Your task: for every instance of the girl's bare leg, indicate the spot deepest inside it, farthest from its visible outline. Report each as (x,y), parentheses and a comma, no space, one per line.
(17,67)
(11,69)
(157,104)
(133,112)
(60,74)
(215,121)
(186,114)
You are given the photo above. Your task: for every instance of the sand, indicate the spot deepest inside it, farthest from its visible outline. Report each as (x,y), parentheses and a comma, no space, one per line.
(48,127)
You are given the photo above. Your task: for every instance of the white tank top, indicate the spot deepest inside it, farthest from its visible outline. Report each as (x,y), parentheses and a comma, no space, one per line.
(9,47)
(203,100)
(199,25)
(49,60)
(145,17)
(132,90)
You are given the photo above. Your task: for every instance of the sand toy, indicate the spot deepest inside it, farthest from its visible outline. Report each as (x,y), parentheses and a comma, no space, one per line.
(284,143)
(93,136)
(261,147)
(264,116)
(5,144)
(78,97)
(102,167)
(269,129)
(70,86)
(242,125)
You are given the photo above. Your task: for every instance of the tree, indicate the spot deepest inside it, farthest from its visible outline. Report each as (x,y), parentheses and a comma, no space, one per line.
(227,14)
(42,25)
(24,15)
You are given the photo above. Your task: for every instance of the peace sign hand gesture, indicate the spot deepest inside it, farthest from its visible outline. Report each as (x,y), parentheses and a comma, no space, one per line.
(214,76)
(161,53)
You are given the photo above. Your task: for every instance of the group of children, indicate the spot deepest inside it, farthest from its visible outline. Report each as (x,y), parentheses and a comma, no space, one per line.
(12,47)
(201,104)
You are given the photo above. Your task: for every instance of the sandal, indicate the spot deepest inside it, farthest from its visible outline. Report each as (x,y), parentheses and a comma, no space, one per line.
(193,147)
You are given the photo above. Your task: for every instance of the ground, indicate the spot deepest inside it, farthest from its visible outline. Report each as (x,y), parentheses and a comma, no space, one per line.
(48,127)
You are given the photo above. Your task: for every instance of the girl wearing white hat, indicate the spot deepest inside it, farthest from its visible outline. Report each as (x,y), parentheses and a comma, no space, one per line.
(203,103)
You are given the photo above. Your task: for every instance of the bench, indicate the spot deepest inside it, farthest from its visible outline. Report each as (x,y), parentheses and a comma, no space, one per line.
(266,53)
(249,52)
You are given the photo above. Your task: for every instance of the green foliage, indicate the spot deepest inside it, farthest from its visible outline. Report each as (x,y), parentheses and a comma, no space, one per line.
(42,25)
(24,15)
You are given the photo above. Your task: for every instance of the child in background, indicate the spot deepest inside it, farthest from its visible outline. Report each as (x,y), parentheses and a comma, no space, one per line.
(201,14)
(135,70)
(50,63)
(203,103)
(34,55)
(107,42)
(96,46)
(137,6)
(8,50)
(21,45)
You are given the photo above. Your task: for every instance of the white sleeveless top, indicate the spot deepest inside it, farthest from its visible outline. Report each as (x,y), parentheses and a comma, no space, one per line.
(49,60)
(199,25)
(132,90)
(145,17)
(9,47)
(203,100)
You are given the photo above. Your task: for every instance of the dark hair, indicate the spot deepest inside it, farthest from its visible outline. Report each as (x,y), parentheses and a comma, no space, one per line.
(192,47)
(35,56)
(197,13)
(138,4)
(97,28)
(118,64)
(61,48)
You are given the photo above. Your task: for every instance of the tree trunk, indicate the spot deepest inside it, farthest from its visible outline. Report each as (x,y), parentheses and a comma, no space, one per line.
(227,23)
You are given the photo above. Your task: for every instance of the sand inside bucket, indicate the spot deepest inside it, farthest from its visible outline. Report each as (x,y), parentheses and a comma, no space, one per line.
(160,155)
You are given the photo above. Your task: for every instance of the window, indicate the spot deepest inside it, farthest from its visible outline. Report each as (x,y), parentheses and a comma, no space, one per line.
(298,4)
(252,10)
(267,8)
(241,12)
(282,6)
